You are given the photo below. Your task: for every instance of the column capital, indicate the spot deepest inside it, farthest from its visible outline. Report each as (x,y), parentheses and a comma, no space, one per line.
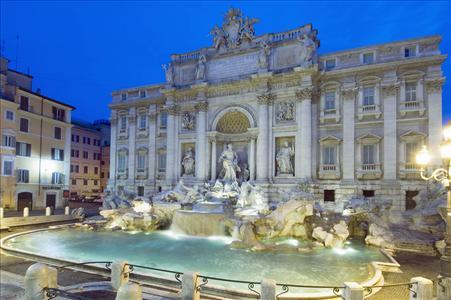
(305,93)
(201,106)
(266,98)
(349,93)
(434,86)
(131,118)
(172,109)
(391,89)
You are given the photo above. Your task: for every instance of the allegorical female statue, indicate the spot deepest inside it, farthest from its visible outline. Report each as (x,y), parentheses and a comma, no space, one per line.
(200,70)
(188,162)
(283,158)
(229,160)
(168,73)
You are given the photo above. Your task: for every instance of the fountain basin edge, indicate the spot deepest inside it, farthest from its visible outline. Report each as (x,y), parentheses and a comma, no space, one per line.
(166,284)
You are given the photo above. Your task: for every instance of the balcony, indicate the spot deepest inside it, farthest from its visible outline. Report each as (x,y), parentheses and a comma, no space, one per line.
(369,171)
(141,173)
(409,107)
(142,133)
(328,171)
(122,174)
(409,170)
(123,134)
(369,111)
(329,114)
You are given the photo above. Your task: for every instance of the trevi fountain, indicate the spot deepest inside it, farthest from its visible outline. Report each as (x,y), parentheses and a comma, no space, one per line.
(220,227)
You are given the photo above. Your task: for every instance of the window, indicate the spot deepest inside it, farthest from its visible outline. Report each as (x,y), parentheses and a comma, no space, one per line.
(124,96)
(411,92)
(7,168)
(58,114)
(73,138)
(123,123)
(368,193)
(23,176)
(142,122)
(141,162)
(23,149)
(85,154)
(330,64)
(410,199)
(23,125)
(8,141)
(57,178)
(122,158)
(77,168)
(84,140)
(88,141)
(85,169)
(72,168)
(102,162)
(57,154)
(368,96)
(142,94)
(74,153)
(9,115)
(411,152)
(74,181)
(96,182)
(102,175)
(329,100)
(163,120)
(329,195)
(140,191)
(161,162)
(410,51)
(77,138)
(329,155)
(368,58)
(85,181)
(96,170)
(368,154)
(57,133)
(24,103)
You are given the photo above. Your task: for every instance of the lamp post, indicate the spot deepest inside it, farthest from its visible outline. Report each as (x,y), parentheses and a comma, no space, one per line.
(442,175)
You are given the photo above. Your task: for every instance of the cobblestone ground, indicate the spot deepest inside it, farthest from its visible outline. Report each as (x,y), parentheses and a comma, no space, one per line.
(412,265)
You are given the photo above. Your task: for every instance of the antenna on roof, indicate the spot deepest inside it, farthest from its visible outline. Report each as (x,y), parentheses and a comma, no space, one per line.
(17,51)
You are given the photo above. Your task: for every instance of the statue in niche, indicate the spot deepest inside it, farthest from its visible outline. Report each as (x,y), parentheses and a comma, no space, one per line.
(219,37)
(169,73)
(229,160)
(308,51)
(188,162)
(201,65)
(283,158)
(245,174)
(188,121)
(263,55)
(286,111)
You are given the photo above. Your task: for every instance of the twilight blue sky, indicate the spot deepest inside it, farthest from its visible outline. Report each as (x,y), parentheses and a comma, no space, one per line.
(79,52)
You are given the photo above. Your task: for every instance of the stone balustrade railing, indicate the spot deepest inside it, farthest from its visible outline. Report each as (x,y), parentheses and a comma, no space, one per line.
(41,283)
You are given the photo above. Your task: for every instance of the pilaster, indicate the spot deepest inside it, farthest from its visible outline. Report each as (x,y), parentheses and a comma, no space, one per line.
(131,145)
(263,100)
(434,94)
(304,132)
(152,143)
(348,95)
(113,151)
(170,144)
(390,93)
(201,138)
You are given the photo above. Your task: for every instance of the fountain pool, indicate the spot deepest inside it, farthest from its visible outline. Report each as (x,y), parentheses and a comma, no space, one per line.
(209,256)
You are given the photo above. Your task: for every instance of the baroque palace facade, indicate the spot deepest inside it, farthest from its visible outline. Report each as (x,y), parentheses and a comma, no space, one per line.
(342,124)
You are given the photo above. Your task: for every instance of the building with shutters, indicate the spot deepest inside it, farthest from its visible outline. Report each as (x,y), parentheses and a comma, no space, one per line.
(35,146)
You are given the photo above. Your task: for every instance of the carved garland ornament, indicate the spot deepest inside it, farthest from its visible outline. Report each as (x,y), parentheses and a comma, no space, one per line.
(201,106)
(390,90)
(434,86)
(349,94)
(173,110)
(304,94)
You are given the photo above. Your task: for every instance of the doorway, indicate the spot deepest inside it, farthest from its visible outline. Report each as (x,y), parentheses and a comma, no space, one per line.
(24,199)
(50,201)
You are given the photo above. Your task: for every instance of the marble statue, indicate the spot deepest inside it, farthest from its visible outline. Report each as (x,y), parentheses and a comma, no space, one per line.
(245,174)
(247,30)
(263,55)
(286,111)
(219,38)
(229,161)
(188,162)
(283,158)
(308,51)
(188,121)
(169,73)
(201,66)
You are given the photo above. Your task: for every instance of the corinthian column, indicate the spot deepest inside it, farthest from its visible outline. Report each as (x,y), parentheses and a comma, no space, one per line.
(170,145)
(434,94)
(263,136)
(131,146)
(348,132)
(390,93)
(304,133)
(201,140)
(152,143)
(113,152)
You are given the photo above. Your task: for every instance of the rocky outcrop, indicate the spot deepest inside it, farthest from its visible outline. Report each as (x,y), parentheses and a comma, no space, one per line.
(379,236)
(335,238)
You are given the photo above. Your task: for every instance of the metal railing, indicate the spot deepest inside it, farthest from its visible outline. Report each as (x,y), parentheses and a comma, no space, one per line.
(250,284)
(408,285)
(177,274)
(52,293)
(286,288)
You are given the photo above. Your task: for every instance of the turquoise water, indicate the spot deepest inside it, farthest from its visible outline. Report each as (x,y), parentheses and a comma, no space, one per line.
(207,256)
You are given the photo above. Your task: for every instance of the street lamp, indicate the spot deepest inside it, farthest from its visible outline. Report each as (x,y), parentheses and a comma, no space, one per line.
(442,175)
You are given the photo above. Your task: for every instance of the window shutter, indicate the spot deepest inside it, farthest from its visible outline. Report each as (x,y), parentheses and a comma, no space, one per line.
(53,177)
(61,154)
(18,148)
(27,175)
(28,149)
(53,153)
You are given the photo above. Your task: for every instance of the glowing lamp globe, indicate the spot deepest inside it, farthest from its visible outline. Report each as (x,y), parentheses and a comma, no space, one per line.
(447,132)
(423,157)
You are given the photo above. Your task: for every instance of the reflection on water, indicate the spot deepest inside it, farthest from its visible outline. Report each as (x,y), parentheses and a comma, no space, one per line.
(208,256)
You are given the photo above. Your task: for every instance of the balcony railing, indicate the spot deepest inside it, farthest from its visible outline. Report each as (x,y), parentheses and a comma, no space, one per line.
(411,106)
(329,168)
(369,108)
(369,167)
(411,166)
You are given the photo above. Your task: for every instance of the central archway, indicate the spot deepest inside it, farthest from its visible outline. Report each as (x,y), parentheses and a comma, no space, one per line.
(233,122)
